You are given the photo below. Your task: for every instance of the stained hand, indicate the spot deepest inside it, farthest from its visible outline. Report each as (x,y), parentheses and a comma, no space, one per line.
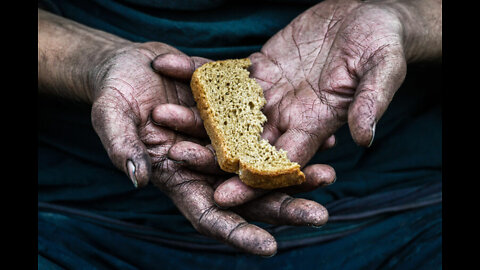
(338,62)
(124,115)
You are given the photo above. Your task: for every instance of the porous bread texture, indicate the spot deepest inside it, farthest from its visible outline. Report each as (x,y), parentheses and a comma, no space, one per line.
(230,104)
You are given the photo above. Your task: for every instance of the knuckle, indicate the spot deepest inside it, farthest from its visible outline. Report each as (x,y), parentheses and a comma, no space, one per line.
(234,230)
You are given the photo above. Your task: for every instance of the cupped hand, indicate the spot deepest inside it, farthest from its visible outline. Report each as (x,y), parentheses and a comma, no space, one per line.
(126,93)
(338,62)
(191,174)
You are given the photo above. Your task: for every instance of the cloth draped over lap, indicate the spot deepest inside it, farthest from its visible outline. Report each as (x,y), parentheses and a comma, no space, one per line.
(397,180)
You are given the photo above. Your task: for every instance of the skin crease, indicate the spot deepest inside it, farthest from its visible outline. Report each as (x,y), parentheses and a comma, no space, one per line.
(117,78)
(340,62)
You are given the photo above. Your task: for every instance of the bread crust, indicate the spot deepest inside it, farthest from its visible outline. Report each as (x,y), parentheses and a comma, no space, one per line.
(250,176)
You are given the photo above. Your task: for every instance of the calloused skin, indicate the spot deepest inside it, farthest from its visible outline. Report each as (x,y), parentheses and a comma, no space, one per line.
(340,62)
(117,77)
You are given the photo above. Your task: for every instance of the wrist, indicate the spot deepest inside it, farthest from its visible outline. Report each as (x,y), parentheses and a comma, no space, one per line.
(422,28)
(68,52)
(96,67)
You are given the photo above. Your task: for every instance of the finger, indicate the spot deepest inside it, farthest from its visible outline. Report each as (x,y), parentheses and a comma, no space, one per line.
(234,192)
(281,209)
(195,157)
(119,135)
(298,137)
(179,118)
(178,66)
(184,94)
(375,90)
(316,175)
(194,199)
(329,143)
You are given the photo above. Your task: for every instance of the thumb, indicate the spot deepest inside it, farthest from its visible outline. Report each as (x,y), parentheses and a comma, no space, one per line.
(118,133)
(375,90)
(178,66)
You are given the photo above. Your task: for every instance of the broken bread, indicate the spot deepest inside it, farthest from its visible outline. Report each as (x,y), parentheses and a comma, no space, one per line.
(230,104)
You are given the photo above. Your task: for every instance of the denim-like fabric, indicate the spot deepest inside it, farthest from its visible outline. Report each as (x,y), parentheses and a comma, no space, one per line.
(406,240)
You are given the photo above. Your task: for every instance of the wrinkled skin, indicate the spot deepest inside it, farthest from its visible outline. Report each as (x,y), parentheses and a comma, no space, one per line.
(338,62)
(127,91)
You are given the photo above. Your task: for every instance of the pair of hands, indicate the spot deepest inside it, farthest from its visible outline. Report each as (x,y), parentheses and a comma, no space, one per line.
(338,62)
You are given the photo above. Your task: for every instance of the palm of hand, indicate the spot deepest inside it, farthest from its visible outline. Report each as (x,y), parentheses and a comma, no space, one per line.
(323,69)
(125,106)
(127,91)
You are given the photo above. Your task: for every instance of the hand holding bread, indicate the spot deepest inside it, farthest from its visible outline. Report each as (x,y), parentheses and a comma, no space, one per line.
(338,62)
(190,174)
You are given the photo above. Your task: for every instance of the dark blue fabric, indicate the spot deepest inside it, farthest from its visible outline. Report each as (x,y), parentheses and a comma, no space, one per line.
(213,29)
(407,240)
(385,208)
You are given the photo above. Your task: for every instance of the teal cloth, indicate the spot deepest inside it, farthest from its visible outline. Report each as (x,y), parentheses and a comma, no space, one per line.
(213,29)
(385,208)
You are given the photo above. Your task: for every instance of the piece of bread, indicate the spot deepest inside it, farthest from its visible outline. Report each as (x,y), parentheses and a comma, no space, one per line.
(230,105)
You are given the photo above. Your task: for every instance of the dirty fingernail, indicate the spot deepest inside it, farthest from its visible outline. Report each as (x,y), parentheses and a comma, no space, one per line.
(131,173)
(373,134)
(269,256)
(181,162)
(334,180)
(219,206)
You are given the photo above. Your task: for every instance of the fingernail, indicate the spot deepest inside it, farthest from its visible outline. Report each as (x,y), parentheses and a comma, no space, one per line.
(220,207)
(269,256)
(334,180)
(178,161)
(155,62)
(373,134)
(156,123)
(131,173)
(315,226)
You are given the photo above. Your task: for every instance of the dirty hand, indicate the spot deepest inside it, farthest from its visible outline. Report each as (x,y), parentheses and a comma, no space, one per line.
(339,62)
(117,78)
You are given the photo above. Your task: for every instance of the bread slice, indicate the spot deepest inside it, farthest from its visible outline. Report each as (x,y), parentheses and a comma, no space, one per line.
(230,105)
